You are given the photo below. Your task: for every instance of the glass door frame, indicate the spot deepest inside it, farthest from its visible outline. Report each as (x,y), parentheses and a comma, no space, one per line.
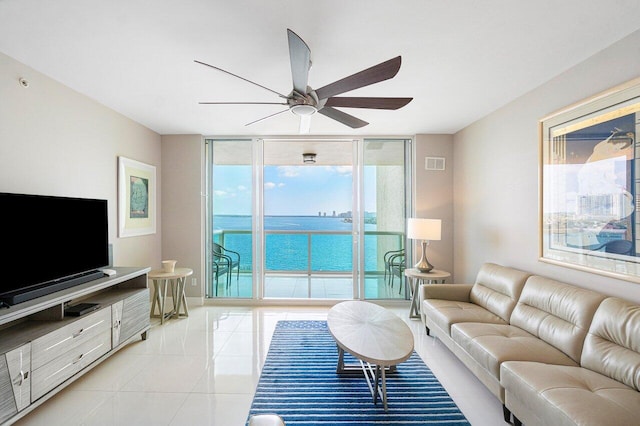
(258,212)
(258,240)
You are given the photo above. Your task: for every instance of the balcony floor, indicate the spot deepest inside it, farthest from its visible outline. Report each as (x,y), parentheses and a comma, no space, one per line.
(313,287)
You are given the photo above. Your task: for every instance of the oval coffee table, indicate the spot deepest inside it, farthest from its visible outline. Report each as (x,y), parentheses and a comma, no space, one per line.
(377,337)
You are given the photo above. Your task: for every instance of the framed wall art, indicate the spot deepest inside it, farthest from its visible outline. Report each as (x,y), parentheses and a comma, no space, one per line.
(136,198)
(590,184)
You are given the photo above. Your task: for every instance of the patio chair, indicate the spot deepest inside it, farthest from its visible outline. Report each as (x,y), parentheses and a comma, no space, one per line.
(219,268)
(390,258)
(397,270)
(225,261)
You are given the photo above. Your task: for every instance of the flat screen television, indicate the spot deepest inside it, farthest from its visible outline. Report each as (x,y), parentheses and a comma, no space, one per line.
(50,243)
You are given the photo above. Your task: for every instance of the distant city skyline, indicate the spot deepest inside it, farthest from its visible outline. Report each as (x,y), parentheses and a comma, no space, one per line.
(291,190)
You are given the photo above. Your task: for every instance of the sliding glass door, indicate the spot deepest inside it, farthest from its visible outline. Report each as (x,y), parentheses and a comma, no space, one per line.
(230,219)
(308,204)
(385,199)
(307,218)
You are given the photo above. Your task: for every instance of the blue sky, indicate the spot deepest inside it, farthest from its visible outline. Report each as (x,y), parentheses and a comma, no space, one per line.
(290,190)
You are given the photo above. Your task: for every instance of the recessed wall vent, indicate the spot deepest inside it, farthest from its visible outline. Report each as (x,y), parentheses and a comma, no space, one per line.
(434,163)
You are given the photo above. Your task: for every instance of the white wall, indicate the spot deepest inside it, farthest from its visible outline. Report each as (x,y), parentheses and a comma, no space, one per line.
(434,198)
(55,141)
(183,206)
(496,173)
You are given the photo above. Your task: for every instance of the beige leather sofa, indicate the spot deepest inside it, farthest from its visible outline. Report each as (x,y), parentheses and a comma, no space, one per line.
(552,353)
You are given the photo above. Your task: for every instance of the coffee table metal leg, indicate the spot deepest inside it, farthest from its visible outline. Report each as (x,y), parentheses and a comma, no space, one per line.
(383,395)
(340,368)
(375,376)
(375,385)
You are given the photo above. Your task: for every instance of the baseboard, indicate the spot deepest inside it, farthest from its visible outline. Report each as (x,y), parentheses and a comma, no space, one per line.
(195,301)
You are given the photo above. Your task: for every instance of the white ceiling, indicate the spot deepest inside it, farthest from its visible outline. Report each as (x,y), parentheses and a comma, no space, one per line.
(461,59)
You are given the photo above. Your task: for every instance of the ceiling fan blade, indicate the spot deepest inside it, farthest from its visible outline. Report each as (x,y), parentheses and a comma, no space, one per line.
(243,103)
(268,116)
(241,78)
(375,74)
(374,103)
(305,124)
(300,57)
(343,117)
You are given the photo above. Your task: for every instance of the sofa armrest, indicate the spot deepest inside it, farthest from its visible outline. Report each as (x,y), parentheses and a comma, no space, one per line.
(457,292)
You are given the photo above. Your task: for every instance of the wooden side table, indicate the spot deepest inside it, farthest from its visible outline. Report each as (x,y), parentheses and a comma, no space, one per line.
(434,277)
(177,280)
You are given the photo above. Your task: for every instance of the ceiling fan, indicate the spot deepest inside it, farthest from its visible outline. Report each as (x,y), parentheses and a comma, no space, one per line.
(304,101)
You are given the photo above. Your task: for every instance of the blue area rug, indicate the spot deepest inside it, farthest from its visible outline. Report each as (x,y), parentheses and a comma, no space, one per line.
(299,382)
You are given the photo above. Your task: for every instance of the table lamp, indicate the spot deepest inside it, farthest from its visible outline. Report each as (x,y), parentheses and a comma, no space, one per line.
(425,230)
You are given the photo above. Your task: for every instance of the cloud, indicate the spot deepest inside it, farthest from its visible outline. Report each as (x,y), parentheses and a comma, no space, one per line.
(288,171)
(344,170)
(242,188)
(220,193)
(280,185)
(269,185)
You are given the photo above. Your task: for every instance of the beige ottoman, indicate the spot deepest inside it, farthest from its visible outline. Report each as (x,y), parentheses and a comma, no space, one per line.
(266,420)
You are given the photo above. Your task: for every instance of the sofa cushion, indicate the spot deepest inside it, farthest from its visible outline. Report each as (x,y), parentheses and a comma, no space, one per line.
(492,344)
(562,395)
(558,313)
(497,289)
(445,313)
(612,346)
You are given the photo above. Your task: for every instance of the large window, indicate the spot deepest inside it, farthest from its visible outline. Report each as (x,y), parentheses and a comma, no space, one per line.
(307,218)
(385,207)
(230,219)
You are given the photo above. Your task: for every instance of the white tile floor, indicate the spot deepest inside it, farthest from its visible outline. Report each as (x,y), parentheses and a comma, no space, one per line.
(203,370)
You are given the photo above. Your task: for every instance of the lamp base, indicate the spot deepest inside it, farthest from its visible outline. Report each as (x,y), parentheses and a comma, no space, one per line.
(424,268)
(423,265)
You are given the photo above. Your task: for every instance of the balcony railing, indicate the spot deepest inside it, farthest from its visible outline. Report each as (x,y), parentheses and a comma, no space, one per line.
(311,251)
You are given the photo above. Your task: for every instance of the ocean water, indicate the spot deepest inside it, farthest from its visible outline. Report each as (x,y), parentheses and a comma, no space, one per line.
(290,252)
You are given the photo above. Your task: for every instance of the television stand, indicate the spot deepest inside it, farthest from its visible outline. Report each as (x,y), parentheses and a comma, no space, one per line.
(42,351)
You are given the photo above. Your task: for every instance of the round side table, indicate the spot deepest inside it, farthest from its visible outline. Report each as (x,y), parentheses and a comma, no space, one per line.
(177,280)
(434,277)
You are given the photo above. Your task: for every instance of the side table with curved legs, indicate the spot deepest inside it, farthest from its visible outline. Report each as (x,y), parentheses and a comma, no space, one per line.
(416,278)
(177,280)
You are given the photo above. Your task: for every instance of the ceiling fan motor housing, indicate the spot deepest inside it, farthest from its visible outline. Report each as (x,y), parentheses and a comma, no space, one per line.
(303,105)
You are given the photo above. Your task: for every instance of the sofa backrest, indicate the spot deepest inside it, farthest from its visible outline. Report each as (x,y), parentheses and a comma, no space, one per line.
(497,288)
(558,313)
(612,346)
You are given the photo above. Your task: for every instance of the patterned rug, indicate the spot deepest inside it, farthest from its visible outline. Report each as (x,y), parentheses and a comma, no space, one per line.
(299,382)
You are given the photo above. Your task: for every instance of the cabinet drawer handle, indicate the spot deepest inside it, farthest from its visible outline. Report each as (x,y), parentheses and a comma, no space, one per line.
(78,359)
(20,380)
(78,333)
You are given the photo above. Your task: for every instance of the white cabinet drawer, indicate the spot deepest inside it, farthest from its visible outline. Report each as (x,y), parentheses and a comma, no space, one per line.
(52,345)
(60,369)
(7,403)
(136,313)
(19,364)
(116,322)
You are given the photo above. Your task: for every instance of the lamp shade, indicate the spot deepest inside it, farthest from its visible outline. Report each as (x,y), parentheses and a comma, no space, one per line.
(424,229)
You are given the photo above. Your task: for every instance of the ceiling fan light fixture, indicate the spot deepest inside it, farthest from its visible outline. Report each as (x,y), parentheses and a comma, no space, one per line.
(303,110)
(309,158)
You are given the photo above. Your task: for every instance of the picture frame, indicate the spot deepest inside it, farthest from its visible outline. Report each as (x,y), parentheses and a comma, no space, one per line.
(136,198)
(589,207)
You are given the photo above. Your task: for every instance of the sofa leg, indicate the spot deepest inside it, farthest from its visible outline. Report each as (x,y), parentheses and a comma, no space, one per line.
(516,421)
(428,331)
(506,414)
